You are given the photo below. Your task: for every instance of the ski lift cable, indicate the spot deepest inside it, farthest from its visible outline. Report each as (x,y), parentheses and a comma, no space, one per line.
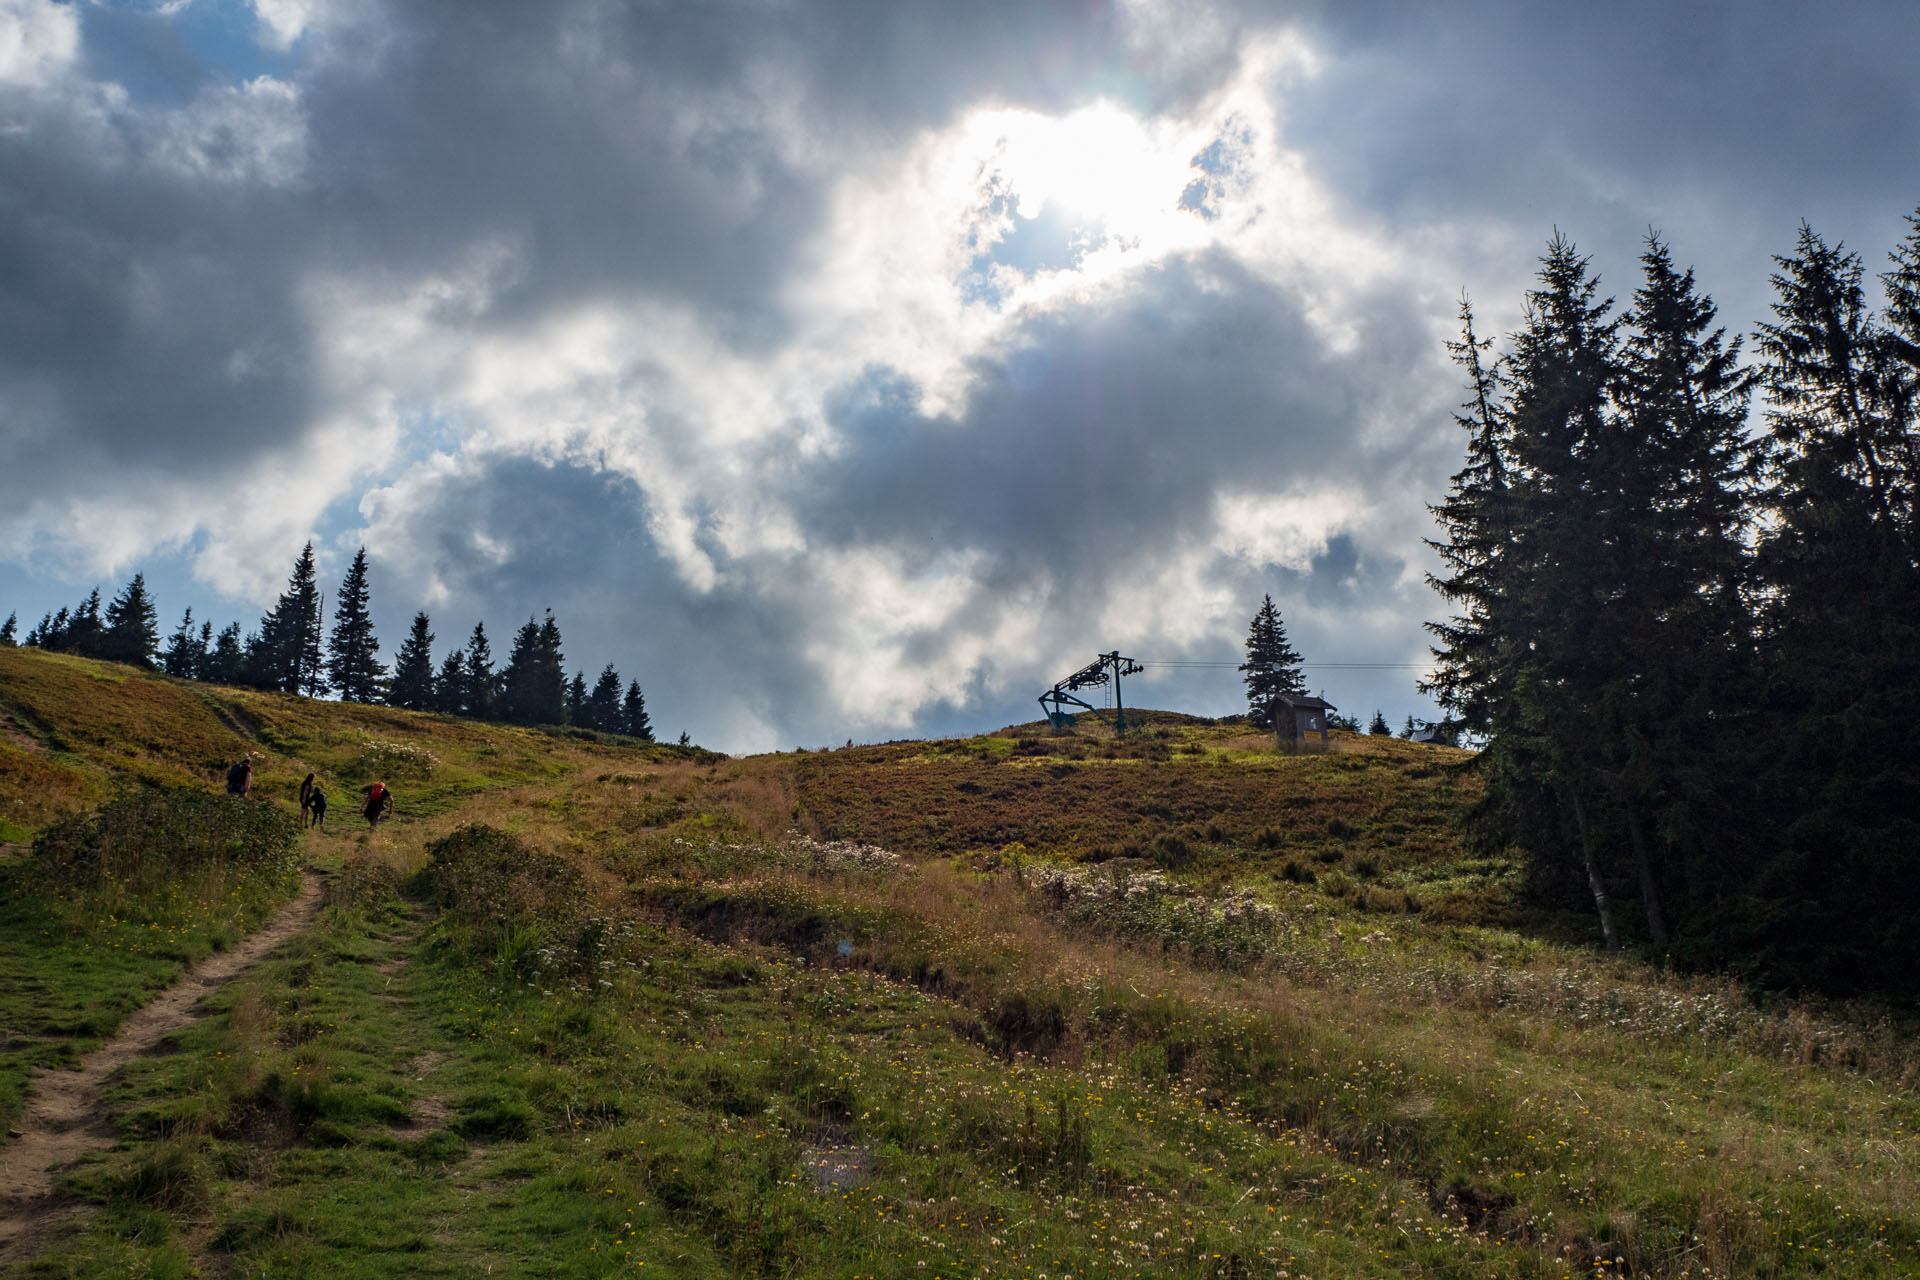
(1308,666)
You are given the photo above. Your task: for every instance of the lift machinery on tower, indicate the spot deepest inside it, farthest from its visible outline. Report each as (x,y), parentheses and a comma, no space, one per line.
(1107,668)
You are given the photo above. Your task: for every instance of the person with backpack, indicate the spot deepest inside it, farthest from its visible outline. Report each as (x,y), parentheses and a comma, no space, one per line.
(240,778)
(379,804)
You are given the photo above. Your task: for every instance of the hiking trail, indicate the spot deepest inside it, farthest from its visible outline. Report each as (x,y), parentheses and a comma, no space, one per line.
(66,1115)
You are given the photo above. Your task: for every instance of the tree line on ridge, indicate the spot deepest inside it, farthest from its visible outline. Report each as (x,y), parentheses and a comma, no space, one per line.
(284,652)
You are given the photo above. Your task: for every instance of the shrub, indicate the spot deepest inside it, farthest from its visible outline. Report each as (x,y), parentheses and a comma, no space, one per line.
(147,839)
(362,881)
(490,880)
(523,910)
(379,759)
(1234,928)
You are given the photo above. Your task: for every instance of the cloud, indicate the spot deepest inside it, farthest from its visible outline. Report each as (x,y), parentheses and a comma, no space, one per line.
(39,40)
(843,369)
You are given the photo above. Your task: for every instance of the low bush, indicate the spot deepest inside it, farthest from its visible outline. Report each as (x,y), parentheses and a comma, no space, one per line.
(1234,928)
(527,912)
(147,839)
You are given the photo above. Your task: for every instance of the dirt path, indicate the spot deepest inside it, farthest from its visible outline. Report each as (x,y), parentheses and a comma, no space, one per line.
(66,1115)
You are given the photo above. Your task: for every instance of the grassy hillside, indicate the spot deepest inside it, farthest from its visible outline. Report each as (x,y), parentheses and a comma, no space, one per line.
(1168,1004)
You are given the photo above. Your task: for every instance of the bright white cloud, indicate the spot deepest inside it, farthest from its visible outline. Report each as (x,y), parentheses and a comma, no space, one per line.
(39,41)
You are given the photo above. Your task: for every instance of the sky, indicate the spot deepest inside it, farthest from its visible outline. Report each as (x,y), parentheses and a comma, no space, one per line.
(853,370)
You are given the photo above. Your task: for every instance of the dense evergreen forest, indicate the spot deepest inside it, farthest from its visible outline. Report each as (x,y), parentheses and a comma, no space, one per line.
(1688,638)
(285,653)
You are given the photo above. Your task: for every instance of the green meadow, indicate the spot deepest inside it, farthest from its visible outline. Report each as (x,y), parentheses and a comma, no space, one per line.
(1016,1005)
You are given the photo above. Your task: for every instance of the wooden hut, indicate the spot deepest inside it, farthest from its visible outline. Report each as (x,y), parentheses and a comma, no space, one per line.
(1296,715)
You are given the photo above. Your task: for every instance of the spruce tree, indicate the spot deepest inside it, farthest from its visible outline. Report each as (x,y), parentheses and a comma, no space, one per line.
(82,630)
(1476,521)
(203,652)
(353,665)
(226,656)
(412,686)
(1901,330)
(633,714)
(1546,593)
(285,653)
(576,699)
(1378,727)
(480,688)
(450,684)
(1841,609)
(1272,667)
(184,652)
(533,684)
(8,630)
(553,673)
(603,704)
(519,695)
(1676,676)
(132,631)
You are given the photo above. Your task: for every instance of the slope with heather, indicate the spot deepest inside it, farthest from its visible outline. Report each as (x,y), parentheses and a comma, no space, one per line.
(1168,1004)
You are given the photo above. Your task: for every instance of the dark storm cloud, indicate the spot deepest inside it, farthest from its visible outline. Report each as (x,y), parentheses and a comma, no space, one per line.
(1722,125)
(151,323)
(184,251)
(1108,431)
(668,147)
(1487,106)
(510,536)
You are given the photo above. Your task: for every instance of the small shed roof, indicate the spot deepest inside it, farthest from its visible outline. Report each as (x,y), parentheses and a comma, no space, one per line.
(1304,702)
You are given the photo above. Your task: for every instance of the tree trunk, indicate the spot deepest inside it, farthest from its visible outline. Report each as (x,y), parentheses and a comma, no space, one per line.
(1594,881)
(1649,891)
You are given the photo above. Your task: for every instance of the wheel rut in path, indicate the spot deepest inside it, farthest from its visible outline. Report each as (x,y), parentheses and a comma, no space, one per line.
(66,1115)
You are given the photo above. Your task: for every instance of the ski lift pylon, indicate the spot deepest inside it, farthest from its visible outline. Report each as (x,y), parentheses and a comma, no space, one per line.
(1106,669)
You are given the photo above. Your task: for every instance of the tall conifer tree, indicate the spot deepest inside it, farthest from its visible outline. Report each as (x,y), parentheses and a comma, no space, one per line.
(603,704)
(480,692)
(1677,481)
(83,628)
(1838,557)
(1272,666)
(185,652)
(633,714)
(353,665)
(226,656)
(449,685)
(285,653)
(132,631)
(412,683)
(1476,523)
(1553,591)
(533,686)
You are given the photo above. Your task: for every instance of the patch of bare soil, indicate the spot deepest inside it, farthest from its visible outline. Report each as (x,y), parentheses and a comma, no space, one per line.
(16,733)
(836,1167)
(66,1116)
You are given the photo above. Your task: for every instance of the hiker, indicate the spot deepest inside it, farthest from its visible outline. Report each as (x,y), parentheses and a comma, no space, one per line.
(240,778)
(313,803)
(379,804)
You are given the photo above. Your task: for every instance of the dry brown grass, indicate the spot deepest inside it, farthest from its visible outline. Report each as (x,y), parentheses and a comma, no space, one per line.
(1665,1121)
